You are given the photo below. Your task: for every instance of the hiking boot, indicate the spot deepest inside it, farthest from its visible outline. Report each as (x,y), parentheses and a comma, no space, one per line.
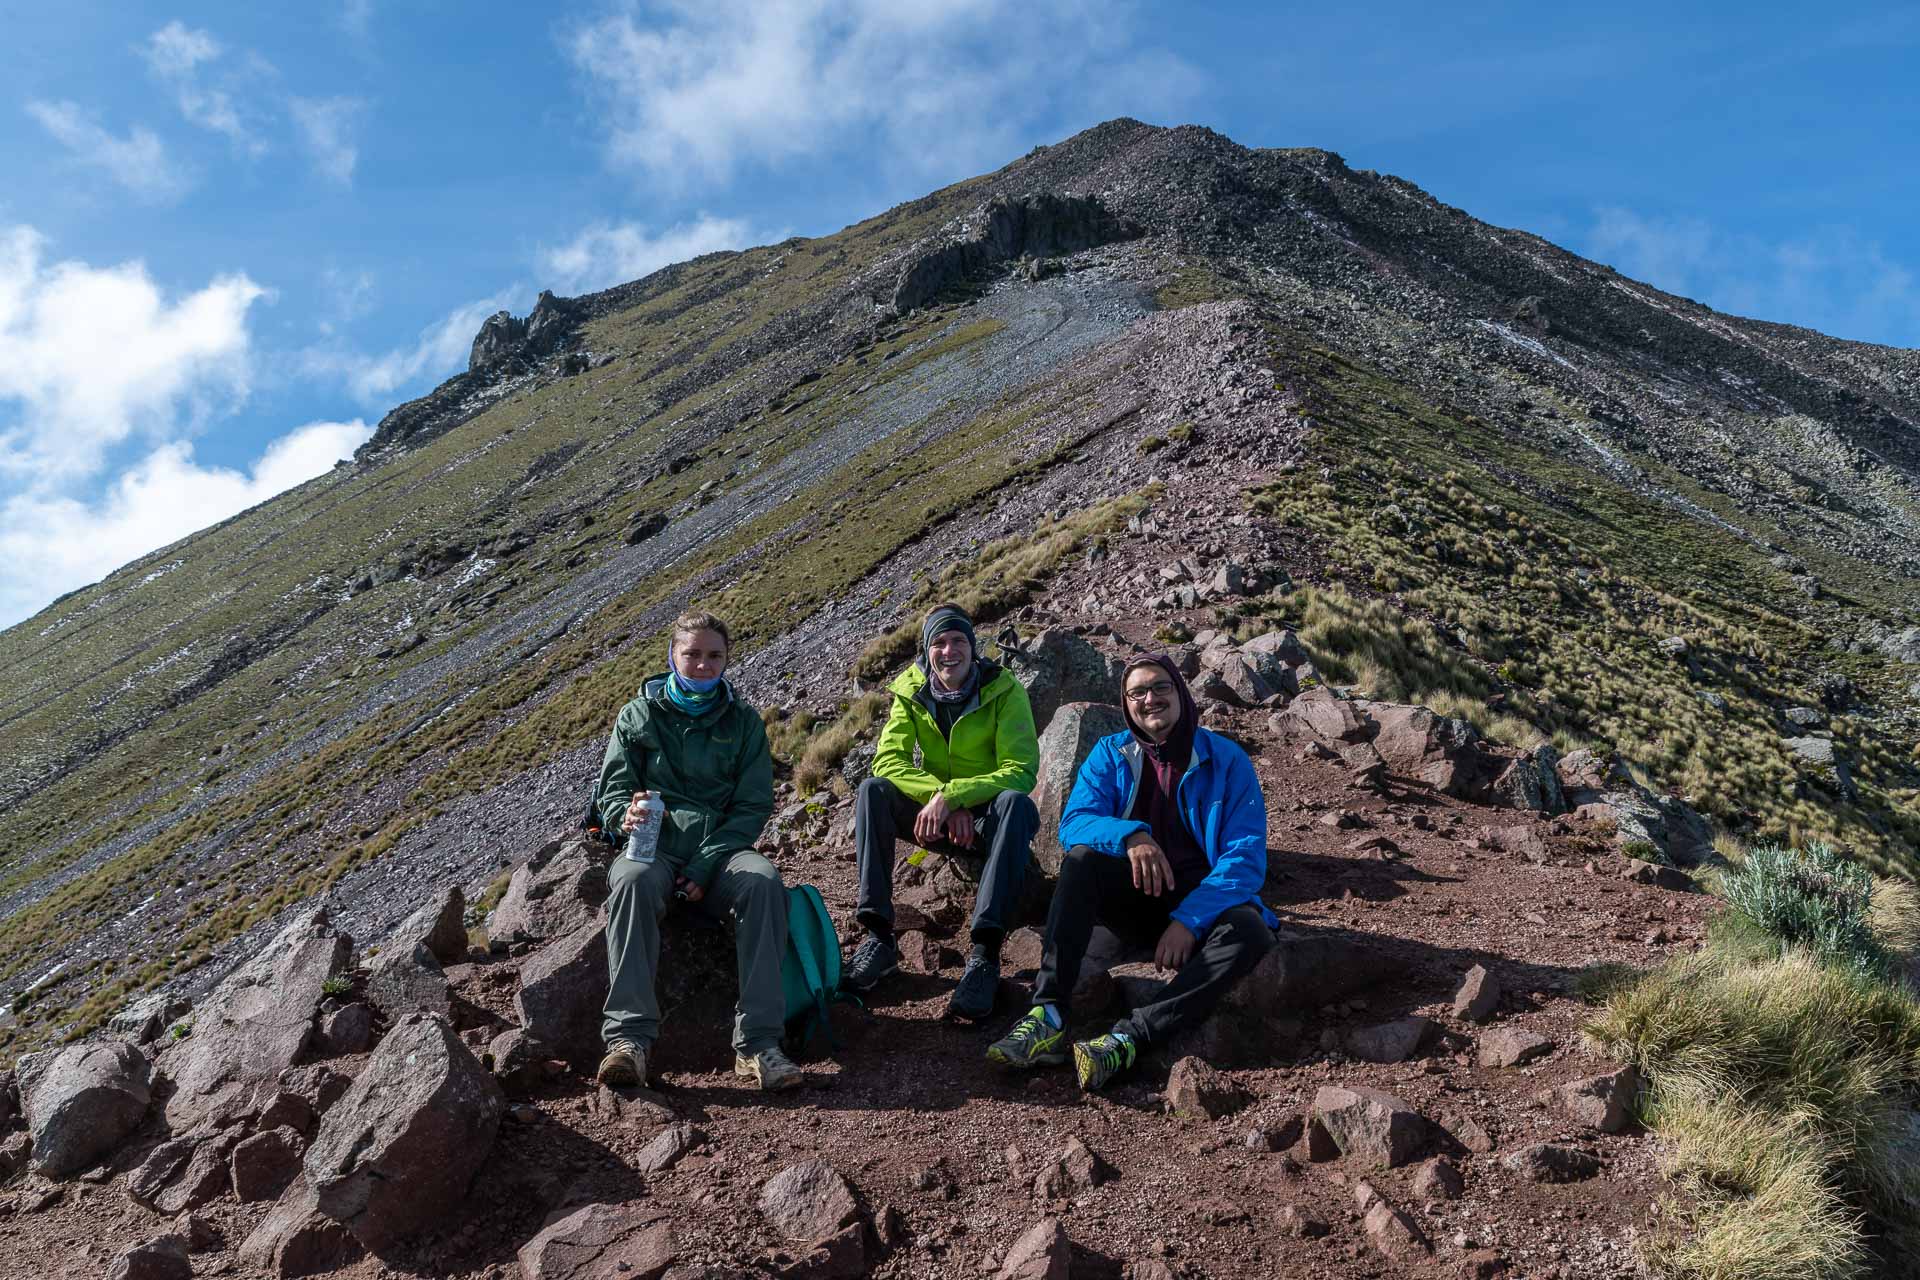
(771,1069)
(973,998)
(873,960)
(624,1066)
(1097,1061)
(1033,1042)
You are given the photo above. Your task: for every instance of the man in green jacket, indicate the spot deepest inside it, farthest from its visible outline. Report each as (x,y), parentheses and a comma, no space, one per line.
(690,740)
(966,798)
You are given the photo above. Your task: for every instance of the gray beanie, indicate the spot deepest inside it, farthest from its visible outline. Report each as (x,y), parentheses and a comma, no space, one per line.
(947,618)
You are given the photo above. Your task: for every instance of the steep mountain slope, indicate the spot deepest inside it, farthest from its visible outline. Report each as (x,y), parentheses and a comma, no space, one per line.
(399,672)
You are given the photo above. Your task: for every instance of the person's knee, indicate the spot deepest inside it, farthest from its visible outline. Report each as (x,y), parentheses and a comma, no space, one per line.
(630,882)
(756,877)
(1246,928)
(874,791)
(1016,806)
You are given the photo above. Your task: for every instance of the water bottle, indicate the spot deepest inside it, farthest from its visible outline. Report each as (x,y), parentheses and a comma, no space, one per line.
(644,838)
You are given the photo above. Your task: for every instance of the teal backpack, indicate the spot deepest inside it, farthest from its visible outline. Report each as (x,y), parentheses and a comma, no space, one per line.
(811,970)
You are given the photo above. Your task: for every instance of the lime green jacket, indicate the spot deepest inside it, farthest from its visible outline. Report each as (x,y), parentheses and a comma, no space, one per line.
(713,771)
(993,748)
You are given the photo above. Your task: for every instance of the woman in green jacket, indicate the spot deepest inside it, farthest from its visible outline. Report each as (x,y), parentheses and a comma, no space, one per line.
(688,742)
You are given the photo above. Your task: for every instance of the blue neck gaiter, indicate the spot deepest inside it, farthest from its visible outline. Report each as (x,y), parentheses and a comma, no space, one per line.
(695,697)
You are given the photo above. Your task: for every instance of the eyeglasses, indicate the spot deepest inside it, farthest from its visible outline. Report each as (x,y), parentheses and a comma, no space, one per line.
(1161,689)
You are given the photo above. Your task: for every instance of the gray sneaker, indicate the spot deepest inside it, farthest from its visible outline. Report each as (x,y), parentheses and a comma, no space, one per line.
(624,1066)
(979,985)
(771,1069)
(872,960)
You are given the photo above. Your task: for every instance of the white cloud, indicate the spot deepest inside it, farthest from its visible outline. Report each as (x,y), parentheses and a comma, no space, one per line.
(605,254)
(1829,278)
(139,162)
(176,54)
(326,127)
(693,89)
(94,354)
(51,543)
(441,351)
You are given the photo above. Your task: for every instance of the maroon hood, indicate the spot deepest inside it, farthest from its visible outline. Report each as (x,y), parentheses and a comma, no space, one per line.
(1178,749)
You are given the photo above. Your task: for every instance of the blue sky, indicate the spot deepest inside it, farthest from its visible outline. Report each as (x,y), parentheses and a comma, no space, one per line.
(232,236)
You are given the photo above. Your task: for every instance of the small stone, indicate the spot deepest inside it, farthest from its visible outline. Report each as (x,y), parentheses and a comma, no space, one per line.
(1196,1089)
(1478,996)
(1394,1235)
(163,1258)
(1298,1224)
(1041,1253)
(1394,1041)
(1437,1179)
(1603,1102)
(1512,1046)
(1552,1162)
(348,1029)
(668,1147)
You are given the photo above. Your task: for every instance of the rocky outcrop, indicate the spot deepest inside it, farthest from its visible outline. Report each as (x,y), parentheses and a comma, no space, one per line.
(398,1152)
(1058,667)
(142,1021)
(1004,230)
(1598,788)
(82,1101)
(255,1024)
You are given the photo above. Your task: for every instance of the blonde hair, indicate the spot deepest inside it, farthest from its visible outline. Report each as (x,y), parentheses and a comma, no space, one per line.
(700,620)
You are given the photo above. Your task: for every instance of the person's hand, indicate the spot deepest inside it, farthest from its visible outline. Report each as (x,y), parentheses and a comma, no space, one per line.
(637,811)
(960,827)
(932,820)
(1175,947)
(688,889)
(1152,873)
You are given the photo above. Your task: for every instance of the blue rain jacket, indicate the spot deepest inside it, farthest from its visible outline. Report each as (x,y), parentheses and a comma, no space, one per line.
(1219,799)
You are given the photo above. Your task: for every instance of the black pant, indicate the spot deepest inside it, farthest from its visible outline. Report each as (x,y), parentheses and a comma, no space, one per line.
(883,813)
(1097,888)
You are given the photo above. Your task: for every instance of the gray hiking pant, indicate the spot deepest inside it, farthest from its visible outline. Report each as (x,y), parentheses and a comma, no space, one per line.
(1002,844)
(746,887)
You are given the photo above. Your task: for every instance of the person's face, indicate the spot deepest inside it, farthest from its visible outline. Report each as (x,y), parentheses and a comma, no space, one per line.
(951,657)
(1151,698)
(699,655)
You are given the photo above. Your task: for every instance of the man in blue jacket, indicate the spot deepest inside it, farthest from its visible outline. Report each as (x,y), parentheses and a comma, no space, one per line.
(1166,839)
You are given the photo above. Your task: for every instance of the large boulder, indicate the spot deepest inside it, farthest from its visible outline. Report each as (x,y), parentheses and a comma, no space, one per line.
(82,1102)
(1415,743)
(553,893)
(399,1151)
(1064,747)
(1280,661)
(599,1242)
(1259,1016)
(1058,667)
(255,1024)
(1321,715)
(563,991)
